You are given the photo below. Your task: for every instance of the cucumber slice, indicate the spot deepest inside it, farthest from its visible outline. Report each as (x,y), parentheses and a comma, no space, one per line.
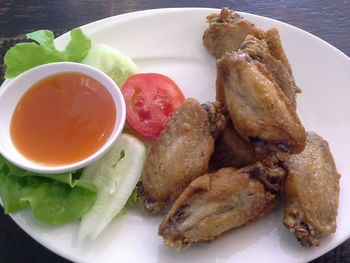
(112,62)
(115,175)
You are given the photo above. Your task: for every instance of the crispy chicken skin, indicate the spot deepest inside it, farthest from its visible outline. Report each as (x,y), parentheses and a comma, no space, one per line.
(231,150)
(180,155)
(259,50)
(257,106)
(274,44)
(214,204)
(227,31)
(312,192)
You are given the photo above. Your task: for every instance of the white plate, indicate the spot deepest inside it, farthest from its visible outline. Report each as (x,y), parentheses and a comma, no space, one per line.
(169,41)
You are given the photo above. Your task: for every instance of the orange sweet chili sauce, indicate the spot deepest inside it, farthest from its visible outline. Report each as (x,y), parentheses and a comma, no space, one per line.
(63,119)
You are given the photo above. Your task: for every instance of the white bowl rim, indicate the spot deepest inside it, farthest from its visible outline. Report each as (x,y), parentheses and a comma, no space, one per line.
(43,71)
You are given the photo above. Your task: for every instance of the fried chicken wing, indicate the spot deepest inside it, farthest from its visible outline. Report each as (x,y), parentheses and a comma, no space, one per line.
(227,31)
(214,204)
(257,106)
(259,50)
(231,150)
(312,192)
(180,155)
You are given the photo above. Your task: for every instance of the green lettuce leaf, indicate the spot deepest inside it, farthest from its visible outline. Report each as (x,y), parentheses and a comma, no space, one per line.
(54,198)
(24,56)
(79,46)
(45,39)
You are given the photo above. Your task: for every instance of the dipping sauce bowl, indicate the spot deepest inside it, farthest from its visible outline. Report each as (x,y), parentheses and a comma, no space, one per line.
(92,88)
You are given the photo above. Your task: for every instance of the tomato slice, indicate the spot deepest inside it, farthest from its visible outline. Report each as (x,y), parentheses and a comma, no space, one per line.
(151,99)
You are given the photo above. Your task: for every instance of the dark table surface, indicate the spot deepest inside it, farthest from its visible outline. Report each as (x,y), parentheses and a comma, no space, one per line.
(329,20)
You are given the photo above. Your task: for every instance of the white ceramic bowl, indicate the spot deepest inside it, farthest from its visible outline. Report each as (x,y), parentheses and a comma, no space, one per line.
(15,89)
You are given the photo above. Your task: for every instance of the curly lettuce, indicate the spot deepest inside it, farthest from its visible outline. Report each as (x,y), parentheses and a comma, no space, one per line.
(24,56)
(54,198)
